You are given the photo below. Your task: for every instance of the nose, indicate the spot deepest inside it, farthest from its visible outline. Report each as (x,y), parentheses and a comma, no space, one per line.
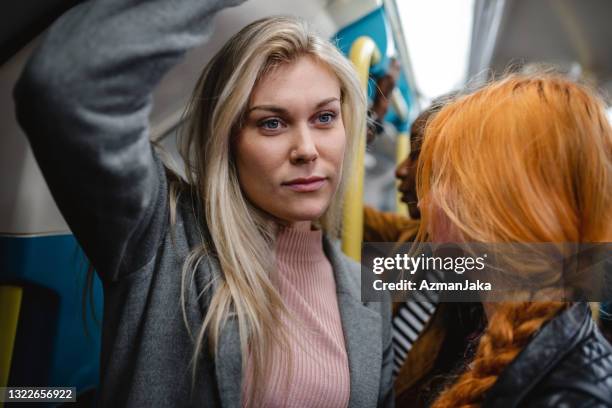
(304,149)
(401,172)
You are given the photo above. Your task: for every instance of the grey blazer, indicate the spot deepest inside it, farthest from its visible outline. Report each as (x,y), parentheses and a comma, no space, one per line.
(83,101)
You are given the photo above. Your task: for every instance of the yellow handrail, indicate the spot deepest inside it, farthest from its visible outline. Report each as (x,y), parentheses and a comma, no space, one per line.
(10,304)
(363,54)
(402,150)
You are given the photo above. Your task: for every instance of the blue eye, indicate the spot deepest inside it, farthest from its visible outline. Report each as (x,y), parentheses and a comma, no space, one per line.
(327,118)
(270,124)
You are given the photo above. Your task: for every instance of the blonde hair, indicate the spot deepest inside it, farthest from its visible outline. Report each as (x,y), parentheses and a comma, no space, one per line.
(524,159)
(241,236)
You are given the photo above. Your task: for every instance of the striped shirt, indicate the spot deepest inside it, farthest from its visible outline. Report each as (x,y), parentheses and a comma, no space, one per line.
(410,320)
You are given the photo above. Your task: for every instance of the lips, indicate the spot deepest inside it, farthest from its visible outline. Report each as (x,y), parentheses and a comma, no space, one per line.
(306,184)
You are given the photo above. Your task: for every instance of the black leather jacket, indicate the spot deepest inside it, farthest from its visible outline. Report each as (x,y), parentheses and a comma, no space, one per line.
(567,364)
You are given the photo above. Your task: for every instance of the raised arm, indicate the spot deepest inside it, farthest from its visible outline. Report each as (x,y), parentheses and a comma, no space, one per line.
(84,100)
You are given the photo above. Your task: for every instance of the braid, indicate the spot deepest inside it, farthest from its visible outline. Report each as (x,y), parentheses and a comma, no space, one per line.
(507,333)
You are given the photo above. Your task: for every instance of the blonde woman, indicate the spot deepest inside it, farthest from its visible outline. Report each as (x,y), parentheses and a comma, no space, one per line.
(527,159)
(224,289)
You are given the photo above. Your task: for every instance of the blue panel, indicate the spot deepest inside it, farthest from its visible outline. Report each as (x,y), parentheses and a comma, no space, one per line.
(376,26)
(52,271)
(391,117)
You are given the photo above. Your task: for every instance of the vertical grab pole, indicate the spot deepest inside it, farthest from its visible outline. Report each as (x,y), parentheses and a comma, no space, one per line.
(363,54)
(10,304)
(402,151)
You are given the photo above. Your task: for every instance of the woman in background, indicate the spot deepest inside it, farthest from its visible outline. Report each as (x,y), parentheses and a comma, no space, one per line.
(223,289)
(527,159)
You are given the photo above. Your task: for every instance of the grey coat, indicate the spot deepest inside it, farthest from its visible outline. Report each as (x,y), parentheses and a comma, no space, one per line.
(83,101)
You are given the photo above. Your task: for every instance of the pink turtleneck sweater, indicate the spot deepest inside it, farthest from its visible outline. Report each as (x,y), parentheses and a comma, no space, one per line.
(319,373)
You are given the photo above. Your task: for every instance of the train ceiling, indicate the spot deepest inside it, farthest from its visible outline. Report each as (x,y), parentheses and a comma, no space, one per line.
(575,35)
(23,20)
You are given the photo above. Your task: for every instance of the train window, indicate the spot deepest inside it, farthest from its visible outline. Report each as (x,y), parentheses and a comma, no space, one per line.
(438,34)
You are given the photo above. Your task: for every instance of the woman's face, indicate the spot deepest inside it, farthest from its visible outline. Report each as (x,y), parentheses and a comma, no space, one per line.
(290,150)
(406,173)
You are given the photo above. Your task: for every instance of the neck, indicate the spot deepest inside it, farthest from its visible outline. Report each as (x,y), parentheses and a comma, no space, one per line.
(300,225)
(295,243)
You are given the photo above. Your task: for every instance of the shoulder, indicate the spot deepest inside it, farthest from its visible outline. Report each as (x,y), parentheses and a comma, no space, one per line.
(348,273)
(187,235)
(354,273)
(353,268)
(582,379)
(567,362)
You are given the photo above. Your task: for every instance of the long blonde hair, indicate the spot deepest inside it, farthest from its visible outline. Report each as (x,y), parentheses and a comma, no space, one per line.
(241,236)
(524,159)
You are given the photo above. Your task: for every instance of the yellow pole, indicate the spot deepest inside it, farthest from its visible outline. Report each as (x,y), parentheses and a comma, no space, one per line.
(10,304)
(363,54)
(402,151)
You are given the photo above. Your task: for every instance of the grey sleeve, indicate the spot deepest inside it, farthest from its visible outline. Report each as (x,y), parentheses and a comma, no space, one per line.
(84,100)
(387,395)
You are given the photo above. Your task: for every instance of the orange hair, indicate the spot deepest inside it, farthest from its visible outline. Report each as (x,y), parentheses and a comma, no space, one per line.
(524,159)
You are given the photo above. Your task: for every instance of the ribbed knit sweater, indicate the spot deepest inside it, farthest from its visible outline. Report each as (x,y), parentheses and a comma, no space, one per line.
(319,373)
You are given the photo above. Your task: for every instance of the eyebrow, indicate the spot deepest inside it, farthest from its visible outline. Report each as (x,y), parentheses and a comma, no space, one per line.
(279,110)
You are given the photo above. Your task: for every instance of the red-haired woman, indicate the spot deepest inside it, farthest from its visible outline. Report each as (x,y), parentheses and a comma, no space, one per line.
(527,159)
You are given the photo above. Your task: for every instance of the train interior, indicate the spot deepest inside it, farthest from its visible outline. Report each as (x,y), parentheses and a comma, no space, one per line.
(50,329)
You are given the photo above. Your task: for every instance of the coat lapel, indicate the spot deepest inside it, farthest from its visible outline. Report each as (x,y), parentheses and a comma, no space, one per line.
(362,330)
(228,362)
(229,366)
